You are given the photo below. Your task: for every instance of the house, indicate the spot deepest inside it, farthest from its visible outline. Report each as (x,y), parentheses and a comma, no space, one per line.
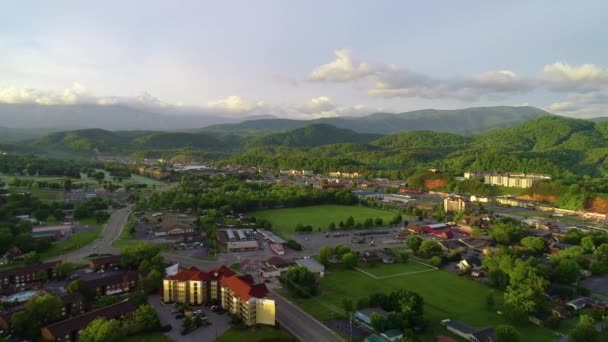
(13,253)
(236,294)
(561,312)
(365,315)
(386,257)
(439,229)
(68,330)
(312,265)
(538,318)
(370,257)
(114,282)
(73,304)
(578,303)
(26,274)
(468,332)
(241,246)
(478,244)
(452,245)
(471,263)
(454,204)
(105,262)
(53,232)
(173,229)
(278,263)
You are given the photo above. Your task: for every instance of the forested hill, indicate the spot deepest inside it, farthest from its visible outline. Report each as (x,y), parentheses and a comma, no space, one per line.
(462,121)
(310,136)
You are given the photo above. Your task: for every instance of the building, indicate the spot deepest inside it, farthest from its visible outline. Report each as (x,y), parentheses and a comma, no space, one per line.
(439,229)
(365,315)
(105,262)
(113,283)
(312,265)
(242,246)
(513,180)
(26,274)
(469,333)
(469,263)
(53,232)
(405,199)
(68,330)
(173,229)
(235,294)
(454,204)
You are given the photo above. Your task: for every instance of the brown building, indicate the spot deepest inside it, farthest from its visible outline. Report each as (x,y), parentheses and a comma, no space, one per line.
(173,229)
(113,282)
(68,330)
(26,274)
(105,262)
(73,304)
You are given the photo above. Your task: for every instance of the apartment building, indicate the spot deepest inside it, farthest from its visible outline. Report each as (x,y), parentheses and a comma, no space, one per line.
(235,294)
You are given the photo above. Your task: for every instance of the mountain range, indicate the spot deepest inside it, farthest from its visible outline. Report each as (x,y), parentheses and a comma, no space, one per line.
(27,121)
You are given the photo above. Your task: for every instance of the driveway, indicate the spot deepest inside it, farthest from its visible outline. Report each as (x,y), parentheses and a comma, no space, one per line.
(219,323)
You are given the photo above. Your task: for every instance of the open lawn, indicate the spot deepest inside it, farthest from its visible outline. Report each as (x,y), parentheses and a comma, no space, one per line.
(75,241)
(284,221)
(446,295)
(43,194)
(395,270)
(256,334)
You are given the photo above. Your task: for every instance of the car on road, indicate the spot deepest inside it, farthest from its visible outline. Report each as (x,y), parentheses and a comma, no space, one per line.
(215,308)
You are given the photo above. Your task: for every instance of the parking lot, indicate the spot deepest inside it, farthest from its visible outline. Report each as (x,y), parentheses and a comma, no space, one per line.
(219,323)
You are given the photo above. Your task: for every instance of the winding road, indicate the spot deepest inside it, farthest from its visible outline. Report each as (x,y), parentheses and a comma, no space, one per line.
(103,245)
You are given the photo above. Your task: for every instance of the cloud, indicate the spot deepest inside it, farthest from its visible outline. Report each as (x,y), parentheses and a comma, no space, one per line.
(342,69)
(322,103)
(75,94)
(561,76)
(582,105)
(235,104)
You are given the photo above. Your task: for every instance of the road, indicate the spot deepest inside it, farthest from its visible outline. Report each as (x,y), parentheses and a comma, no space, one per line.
(111,231)
(292,318)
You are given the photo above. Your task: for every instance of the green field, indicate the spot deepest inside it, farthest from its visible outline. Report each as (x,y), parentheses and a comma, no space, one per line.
(256,334)
(446,295)
(396,270)
(284,221)
(73,242)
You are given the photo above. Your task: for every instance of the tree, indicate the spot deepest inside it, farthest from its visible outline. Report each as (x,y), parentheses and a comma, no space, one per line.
(506,233)
(429,249)
(347,306)
(79,286)
(300,281)
(476,232)
(588,244)
(414,242)
(332,226)
(350,223)
(102,330)
(101,216)
(506,333)
(368,223)
(146,319)
(42,275)
(490,301)
(564,270)
(377,322)
(62,270)
(133,256)
(350,259)
(534,245)
(584,330)
(43,310)
(325,253)
(526,287)
(601,253)
(378,221)
(404,257)
(31,258)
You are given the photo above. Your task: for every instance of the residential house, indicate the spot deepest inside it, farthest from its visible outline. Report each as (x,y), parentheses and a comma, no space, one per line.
(365,315)
(312,265)
(68,330)
(73,304)
(26,274)
(236,294)
(561,312)
(468,332)
(469,263)
(452,245)
(578,303)
(105,262)
(370,257)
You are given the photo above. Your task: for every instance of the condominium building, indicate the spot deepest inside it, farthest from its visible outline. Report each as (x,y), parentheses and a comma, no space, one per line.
(235,294)
(454,204)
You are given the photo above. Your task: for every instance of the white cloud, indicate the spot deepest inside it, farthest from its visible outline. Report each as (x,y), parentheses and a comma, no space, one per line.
(582,105)
(322,103)
(561,76)
(342,69)
(75,94)
(235,104)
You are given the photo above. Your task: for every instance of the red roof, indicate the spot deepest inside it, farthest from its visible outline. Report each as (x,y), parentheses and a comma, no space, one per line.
(243,289)
(192,273)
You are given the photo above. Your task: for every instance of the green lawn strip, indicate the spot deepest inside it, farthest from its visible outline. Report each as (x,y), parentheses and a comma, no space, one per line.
(149,337)
(76,241)
(284,221)
(256,333)
(389,270)
(446,295)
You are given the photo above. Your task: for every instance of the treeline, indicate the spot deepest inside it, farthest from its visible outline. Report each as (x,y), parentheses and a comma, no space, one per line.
(235,193)
(32,165)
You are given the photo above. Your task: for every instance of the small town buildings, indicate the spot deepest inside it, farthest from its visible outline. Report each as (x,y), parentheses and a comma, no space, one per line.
(173,229)
(105,262)
(312,265)
(513,180)
(52,232)
(68,330)
(113,282)
(236,294)
(242,246)
(469,333)
(469,263)
(452,245)
(439,229)
(454,204)
(26,274)
(365,315)
(405,199)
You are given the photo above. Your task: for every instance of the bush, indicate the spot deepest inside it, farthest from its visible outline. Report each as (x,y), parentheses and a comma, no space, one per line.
(436,261)
(293,244)
(553,322)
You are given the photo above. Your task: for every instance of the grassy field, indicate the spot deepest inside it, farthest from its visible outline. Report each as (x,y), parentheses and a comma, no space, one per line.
(284,221)
(256,334)
(43,194)
(149,337)
(73,242)
(446,295)
(396,270)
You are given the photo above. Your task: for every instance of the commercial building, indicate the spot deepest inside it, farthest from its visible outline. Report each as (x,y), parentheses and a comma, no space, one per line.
(221,286)
(513,180)
(312,265)
(454,204)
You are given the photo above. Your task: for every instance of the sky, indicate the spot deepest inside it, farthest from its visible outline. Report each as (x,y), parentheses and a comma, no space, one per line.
(307,59)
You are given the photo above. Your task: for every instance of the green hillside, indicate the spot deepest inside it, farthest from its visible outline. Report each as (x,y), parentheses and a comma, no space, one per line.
(83,140)
(462,121)
(310,136)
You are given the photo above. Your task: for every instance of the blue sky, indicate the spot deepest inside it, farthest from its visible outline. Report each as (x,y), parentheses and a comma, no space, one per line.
(307,58)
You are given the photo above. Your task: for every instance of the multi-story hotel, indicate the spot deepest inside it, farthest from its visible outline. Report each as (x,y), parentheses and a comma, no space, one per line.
(235,294)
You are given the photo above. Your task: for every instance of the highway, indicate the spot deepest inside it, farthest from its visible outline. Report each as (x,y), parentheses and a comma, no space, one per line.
(110,232)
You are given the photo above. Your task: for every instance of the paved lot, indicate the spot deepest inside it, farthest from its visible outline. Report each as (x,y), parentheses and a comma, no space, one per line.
(219,323)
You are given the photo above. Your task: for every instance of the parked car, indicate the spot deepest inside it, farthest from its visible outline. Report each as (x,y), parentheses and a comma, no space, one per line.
(215,308)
